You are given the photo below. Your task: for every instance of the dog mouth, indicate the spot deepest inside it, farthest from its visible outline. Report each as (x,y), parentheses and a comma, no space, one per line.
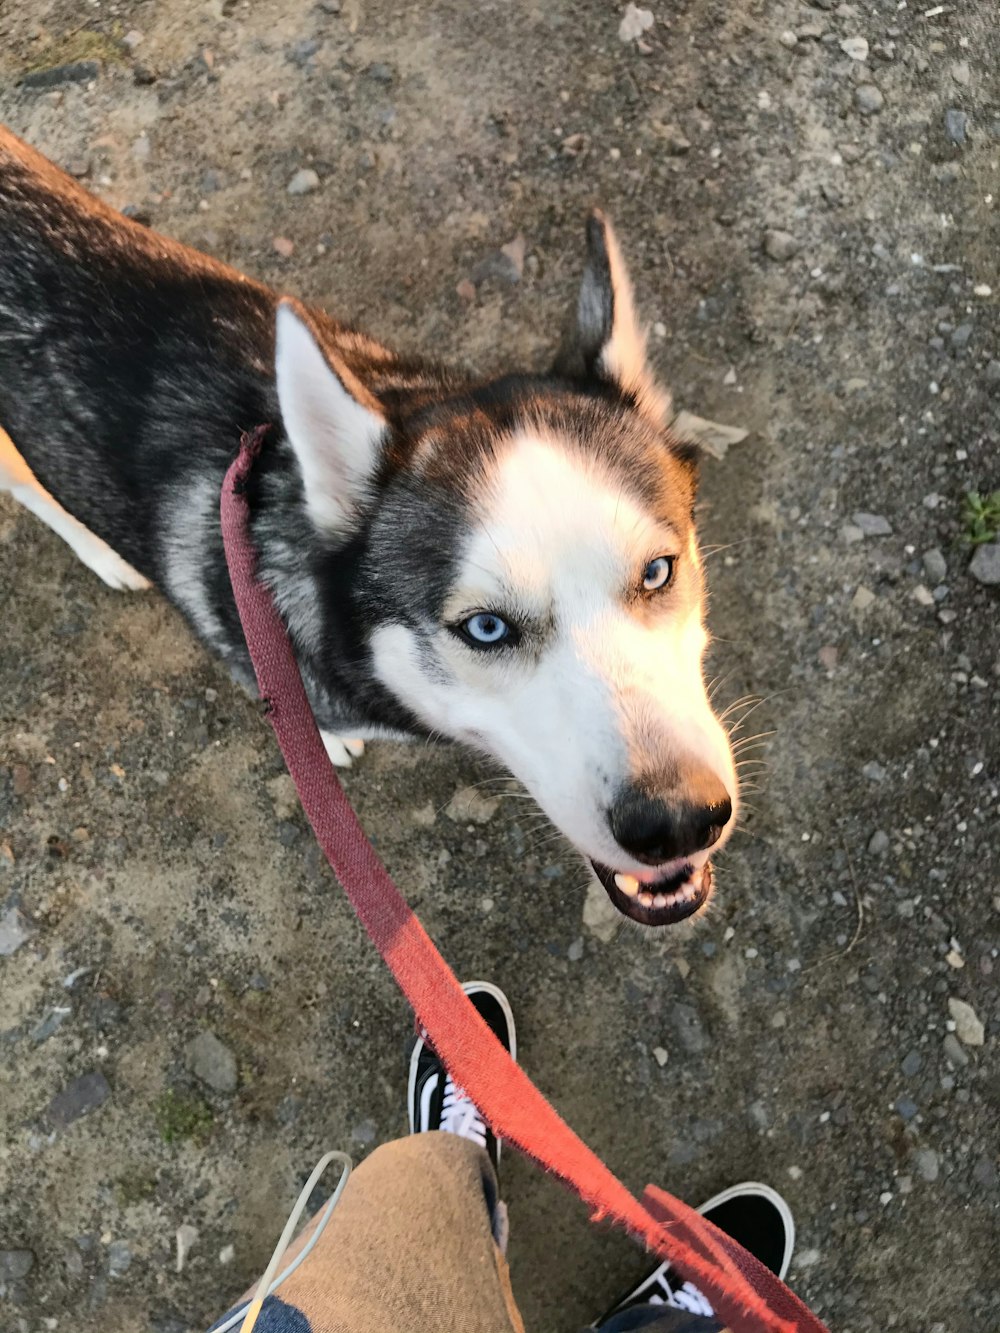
(662,902)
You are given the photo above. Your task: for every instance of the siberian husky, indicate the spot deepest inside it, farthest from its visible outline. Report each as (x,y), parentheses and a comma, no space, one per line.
(510,562)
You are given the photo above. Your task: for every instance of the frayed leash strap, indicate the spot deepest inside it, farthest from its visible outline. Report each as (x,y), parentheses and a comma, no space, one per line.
(745,1294)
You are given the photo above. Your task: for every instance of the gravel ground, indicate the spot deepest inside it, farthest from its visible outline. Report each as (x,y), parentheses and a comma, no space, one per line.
(189,1015)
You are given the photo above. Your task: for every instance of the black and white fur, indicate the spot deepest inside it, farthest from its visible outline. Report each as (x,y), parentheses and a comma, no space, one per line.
(395,504)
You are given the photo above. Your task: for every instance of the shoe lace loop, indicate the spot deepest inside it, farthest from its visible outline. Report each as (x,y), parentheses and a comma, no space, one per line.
(459,1115)
(691,1299)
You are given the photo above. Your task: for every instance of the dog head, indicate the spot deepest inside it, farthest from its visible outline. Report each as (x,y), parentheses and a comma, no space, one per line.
(525,578)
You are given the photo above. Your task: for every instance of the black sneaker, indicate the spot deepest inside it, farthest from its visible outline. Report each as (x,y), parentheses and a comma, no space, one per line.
(435,1101)
(755,1215)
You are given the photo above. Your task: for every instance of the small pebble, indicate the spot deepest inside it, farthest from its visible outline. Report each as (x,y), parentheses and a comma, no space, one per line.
(968,1026)
(688,1026)
(926,1162)
(855,47)
(868,99)
(956,124)
(119,1259)
(305,181)
(960,336)
(660,1055)
(911,1063)
(211,1061)
(674,139)
(283,246)
(935,565)
(14,931)
(954,1053)
(872,525)
(878,843)
(634,23)
(78,1098)
(985,564)
(15,1264)
(780,245)
(185,1239)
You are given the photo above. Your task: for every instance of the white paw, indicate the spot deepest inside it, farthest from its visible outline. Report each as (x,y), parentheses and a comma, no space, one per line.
(115,572)
(342,749)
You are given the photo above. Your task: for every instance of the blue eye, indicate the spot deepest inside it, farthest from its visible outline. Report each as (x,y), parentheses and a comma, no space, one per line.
(487,630)
(658,573)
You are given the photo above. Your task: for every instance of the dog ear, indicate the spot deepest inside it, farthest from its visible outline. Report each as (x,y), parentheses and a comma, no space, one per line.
(334,425)
(608,343)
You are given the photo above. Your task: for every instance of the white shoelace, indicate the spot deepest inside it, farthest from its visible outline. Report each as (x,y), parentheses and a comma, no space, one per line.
(687,1297)
(460,1116)
(691,1299)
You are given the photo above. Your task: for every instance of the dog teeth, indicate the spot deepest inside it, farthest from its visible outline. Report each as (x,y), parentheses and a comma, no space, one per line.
(628,884)
(650,897)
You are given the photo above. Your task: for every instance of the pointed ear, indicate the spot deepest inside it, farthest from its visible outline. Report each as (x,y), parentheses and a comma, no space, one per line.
(608,343)
(334,425)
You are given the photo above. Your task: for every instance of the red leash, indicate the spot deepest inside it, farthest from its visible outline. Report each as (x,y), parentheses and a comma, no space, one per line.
(743,1292)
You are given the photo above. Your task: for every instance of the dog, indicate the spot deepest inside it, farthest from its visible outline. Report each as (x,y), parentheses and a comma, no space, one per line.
(508,562)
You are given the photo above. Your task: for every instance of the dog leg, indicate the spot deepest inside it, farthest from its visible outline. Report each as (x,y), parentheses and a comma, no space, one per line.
(17,478)
(342,750)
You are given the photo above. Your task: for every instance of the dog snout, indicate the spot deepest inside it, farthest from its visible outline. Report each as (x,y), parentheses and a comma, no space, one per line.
(655,829)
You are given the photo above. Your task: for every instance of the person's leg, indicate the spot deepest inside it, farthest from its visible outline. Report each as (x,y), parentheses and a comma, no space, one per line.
(415,1244)
(409,1247)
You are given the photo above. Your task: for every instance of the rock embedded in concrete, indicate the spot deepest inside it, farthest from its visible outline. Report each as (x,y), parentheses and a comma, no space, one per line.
(985,564)
(14,931)
(780,245)
(872,525)
(868,99)
(211,1061)
(85,1094)
(15,1264)
(305,181)
(968,1026)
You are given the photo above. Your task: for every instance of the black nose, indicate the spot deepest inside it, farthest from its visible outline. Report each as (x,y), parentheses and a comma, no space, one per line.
(654,829)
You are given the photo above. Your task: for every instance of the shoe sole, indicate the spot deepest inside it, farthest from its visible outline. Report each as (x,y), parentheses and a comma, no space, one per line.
(470,988)
(774,1198)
